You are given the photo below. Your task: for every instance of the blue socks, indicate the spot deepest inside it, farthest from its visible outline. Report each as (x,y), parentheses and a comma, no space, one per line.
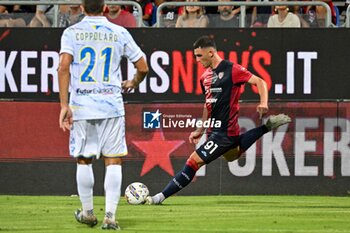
(181,179)
(251,136)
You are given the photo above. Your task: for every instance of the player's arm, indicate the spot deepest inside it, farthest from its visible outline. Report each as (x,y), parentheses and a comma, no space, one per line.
(141,72)
(262,108)
(65,119)
(197,134)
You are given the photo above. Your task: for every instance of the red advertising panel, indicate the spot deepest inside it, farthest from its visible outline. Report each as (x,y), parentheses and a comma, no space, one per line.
(29,131)
(310,155)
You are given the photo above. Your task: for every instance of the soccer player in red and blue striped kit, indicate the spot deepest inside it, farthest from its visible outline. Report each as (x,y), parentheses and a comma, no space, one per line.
(221,84)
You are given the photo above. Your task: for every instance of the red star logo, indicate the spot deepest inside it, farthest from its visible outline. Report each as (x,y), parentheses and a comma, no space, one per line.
(157,152)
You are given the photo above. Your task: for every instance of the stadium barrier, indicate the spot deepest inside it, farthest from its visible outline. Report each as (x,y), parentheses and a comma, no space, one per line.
(62,2)
(242,5)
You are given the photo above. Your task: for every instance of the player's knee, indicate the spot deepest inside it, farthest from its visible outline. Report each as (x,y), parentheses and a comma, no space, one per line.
(233,154)
(191,162)
(82,160)
(112,161)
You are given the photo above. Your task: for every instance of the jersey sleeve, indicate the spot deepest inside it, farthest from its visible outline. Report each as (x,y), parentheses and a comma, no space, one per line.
(131,50)
(66,42)
(240,74)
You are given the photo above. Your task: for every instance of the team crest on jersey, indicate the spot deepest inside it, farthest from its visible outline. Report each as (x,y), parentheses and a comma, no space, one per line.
(221,75)
(214,78)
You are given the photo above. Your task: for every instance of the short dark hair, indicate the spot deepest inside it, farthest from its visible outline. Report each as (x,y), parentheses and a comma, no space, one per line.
(204,42)
(93,7)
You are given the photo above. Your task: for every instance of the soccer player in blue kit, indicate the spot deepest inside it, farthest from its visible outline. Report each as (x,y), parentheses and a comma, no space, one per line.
(90,56)
(221,84)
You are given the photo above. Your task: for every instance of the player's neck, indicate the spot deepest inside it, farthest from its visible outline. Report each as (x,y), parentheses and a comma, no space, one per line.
(94,15)
(216,61)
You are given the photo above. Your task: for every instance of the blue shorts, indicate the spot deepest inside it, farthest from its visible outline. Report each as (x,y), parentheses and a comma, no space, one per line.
(215,146)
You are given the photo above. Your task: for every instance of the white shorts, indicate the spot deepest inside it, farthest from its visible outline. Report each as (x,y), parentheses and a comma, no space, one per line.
(93,138)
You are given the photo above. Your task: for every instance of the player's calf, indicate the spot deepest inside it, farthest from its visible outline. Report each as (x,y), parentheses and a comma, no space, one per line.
(233,154)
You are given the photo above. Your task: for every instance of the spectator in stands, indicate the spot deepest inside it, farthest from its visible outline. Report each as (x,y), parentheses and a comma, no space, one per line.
(170,15)
(117,15)
(43,16)
(307,15)
(72,16)
(316,15)
(148,10)
(193,16)
(284,18)
(228,17)
(25,12)
(321,13)
(260,15)
(8,18)
(306,20)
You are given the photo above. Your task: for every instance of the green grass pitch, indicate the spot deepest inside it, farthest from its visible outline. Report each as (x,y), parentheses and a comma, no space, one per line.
(181,214)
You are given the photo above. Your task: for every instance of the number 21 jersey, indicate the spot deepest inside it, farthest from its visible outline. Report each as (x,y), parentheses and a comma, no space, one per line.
(97,47)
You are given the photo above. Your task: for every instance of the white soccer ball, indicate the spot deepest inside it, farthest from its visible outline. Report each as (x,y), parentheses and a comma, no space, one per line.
(136,193)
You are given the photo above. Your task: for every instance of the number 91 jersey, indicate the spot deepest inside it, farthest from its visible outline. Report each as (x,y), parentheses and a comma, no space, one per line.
(97,47)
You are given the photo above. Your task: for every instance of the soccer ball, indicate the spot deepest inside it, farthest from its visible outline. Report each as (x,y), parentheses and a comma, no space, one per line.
(136,193)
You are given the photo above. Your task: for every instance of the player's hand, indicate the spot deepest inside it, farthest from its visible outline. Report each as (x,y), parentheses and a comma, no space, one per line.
(195,136)
(129,85)
(262,109)
(66,118)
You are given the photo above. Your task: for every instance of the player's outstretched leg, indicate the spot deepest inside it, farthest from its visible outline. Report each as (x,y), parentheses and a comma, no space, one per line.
(181,180)
(89,220)
(275,121)
(251,136)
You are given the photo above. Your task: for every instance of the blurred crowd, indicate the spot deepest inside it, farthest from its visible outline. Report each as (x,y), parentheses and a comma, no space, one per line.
(179,16)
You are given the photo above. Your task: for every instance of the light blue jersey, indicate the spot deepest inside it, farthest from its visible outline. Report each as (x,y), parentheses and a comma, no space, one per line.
(97,47)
